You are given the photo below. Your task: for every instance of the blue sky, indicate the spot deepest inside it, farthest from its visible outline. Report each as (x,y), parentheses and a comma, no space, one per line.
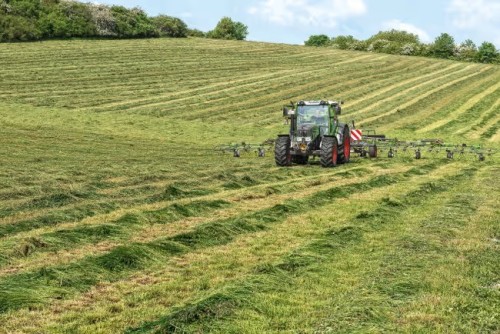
(293,21)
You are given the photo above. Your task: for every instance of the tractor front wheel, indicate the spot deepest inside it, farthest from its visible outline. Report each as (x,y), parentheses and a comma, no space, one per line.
(282,154)
(329,152)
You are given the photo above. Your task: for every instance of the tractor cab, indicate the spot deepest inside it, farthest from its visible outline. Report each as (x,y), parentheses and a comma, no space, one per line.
(309,116)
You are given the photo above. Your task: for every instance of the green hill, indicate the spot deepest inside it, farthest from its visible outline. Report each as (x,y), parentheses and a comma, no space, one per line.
(117,215)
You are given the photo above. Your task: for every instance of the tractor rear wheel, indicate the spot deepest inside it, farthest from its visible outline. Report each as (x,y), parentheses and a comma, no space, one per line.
(345,148)
(282,151)
(329,152)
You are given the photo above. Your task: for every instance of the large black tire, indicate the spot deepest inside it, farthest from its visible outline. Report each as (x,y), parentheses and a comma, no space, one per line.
(282,151)
(373,151)
(345,148)
(301,160)
(329,152)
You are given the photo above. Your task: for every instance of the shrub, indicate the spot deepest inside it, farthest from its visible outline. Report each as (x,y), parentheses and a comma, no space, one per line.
(170,26)
(443,47)
(17,28)
(343,42)
(196,33)
(103,19)
(317,40)
(487,53)
(132,23)
(229,29)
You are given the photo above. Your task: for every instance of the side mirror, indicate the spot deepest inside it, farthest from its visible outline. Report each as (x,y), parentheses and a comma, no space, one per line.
(288,112)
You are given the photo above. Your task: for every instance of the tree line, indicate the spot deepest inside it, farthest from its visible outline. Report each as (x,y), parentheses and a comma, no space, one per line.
(408,44)
(29,20)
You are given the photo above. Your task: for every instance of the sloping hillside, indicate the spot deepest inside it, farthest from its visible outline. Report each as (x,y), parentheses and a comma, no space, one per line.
(116,215)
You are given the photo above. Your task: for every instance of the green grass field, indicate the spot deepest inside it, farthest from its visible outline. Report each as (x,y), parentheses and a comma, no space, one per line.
(116,215)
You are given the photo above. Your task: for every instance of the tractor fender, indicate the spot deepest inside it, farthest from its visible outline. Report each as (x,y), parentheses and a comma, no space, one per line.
(340,132)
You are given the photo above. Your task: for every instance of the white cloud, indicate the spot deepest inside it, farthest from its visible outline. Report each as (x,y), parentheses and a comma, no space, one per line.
(186,14)
(474,14)
(325,13)
(408,27)
(479,17)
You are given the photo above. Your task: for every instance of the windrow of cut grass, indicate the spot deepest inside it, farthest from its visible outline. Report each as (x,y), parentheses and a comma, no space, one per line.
(148,222)
(442,110)
(79,276)
(210,313)
(402,101)
(193,260)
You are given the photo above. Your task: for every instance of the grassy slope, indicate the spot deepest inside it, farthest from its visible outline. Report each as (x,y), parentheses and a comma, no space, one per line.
(115,214)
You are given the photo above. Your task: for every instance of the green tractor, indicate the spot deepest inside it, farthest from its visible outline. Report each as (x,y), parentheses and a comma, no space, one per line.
(314,131)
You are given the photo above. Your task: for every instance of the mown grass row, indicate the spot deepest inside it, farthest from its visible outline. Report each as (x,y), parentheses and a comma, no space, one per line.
(74,206)
(27,289)
(419,95)
(208,313)
(206,269)
(444,110)
(17,249)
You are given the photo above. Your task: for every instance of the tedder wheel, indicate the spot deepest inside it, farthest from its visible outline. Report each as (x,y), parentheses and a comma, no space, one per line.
(329,152)
(390,154)
(418,154)
(282,151)
(373,151)
(345,148)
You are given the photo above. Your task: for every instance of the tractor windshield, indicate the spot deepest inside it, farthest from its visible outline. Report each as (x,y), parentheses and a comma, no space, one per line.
(312,115)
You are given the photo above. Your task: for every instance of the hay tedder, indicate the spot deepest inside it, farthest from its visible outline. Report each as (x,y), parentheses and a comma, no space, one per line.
(371,144)
(316,131)
(239,148)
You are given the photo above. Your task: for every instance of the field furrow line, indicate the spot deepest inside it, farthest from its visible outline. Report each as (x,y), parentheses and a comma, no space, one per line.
(440,106)
(407,91)
(424,95)
(463,108)
(395,85)
(162,99)
(484,120)
(348,89)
